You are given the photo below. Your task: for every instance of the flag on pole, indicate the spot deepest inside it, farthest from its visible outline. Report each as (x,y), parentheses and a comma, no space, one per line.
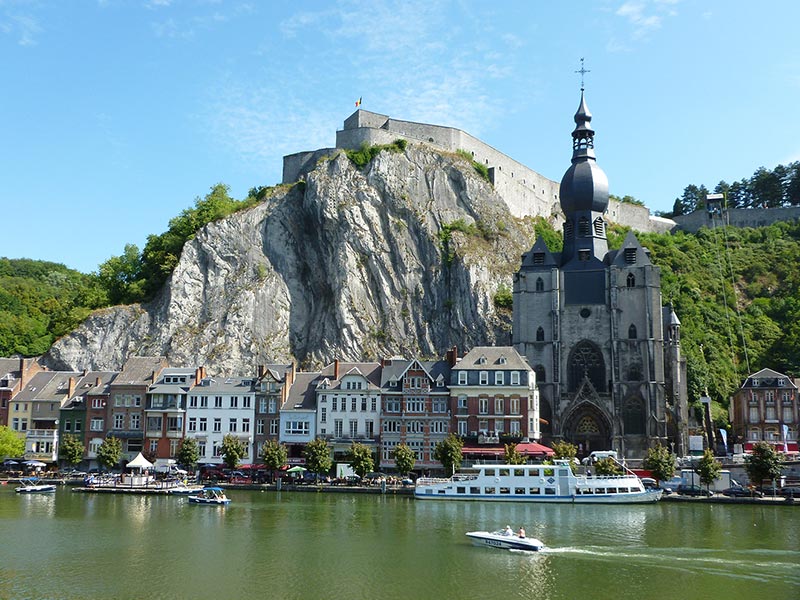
(358,102)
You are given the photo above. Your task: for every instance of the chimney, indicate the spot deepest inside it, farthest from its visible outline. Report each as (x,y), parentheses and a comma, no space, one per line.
(336,369)
(198,375)
(262,369)
(153,377)
(71,388)
(85,372)
(452,356)
(97,382)
(291,375)
(203,370)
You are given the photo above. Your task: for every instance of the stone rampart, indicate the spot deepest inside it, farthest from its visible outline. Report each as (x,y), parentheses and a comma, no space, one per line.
(737,217)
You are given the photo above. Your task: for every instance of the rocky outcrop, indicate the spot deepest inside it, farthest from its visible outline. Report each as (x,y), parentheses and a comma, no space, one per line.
(350,264)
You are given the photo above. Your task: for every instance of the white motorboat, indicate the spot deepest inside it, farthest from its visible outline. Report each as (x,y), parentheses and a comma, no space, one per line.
(505,539)
(184,489)
(32,486)
(536,483)
(210,495)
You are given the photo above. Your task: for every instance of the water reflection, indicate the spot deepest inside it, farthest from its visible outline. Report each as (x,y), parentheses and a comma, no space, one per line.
(303,545)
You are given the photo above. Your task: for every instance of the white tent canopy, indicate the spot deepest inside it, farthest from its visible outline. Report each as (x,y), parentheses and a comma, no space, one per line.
(140,462)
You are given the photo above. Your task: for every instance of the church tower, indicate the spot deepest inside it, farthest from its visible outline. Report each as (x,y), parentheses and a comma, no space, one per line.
(591,324)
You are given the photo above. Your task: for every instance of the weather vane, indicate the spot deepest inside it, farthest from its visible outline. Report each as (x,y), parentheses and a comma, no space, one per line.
(582,71)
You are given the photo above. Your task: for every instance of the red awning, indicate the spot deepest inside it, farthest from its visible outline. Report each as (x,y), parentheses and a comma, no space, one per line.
(792,446)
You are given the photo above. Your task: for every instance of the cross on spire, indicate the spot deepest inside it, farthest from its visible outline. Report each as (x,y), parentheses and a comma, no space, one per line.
(582,71)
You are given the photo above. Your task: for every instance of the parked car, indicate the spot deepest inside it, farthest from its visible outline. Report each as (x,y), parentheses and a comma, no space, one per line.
(671,485)
(770,490)
(692,490)
(599,455)
(791,491)
(738,491)
(649,483)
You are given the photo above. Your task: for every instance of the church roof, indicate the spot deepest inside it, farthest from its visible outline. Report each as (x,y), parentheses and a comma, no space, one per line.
(584,186)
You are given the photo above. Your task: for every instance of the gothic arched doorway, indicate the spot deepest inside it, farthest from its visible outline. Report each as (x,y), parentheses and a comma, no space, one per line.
(588,428)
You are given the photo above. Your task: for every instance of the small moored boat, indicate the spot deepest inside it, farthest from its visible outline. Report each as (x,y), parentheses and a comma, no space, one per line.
(32,486)
(210,495)
(504,539)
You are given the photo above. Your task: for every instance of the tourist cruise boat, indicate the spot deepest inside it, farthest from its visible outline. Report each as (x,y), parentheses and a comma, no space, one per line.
(535,483)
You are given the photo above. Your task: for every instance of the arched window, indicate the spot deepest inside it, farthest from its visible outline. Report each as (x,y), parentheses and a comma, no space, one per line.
(539,284)
(586,360)
(633,415)
(540,335)
(631,280)
(632,332)
(540,373)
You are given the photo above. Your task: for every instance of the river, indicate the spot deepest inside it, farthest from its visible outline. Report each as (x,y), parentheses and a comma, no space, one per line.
(294,545)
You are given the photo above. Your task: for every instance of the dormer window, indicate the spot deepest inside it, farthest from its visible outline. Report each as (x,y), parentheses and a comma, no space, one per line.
(630,256)
(538,258)
(482,360)
(503,360)
(599,227)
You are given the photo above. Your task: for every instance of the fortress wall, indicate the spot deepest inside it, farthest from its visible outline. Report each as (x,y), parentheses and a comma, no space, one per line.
(637,217)
(300,163)
(738,217)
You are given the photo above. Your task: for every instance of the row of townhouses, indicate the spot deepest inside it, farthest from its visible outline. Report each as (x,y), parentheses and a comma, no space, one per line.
(489,397)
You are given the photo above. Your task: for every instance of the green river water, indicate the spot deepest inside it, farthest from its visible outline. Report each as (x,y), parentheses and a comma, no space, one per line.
(330,546)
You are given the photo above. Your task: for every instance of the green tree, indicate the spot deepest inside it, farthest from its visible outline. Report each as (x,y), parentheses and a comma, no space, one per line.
(565,451)
(607,466)
(660,462)
(708,468)
(360,459)
(448,452)
(512,456)
(70,449)
(764,464)
(274,455)
(109,452)
(188,453)
(232,450)
(12,445)
(121,276)
(404,458)
(318,457)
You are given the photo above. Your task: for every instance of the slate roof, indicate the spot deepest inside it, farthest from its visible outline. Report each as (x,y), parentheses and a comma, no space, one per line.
(303,392)
(370,370)
(228,385)
(493,354)
(138,370)
(768,378)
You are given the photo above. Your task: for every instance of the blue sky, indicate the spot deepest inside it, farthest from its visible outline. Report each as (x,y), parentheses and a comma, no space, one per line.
(115,115)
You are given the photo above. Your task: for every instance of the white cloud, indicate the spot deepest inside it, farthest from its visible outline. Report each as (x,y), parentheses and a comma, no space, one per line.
(25,27)
(645,16)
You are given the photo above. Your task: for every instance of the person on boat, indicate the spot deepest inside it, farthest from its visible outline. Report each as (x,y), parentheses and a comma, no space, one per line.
(507,531)
(521,532)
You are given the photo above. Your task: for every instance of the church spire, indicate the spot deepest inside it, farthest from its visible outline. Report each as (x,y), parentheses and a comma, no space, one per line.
(583,135)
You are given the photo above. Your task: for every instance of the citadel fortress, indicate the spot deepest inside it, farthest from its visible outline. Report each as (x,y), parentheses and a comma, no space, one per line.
(526,192)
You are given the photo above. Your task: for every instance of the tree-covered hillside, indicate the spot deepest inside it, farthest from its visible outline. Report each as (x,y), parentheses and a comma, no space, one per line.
(40,301)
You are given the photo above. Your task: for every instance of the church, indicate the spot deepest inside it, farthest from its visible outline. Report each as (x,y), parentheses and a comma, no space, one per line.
(591,323)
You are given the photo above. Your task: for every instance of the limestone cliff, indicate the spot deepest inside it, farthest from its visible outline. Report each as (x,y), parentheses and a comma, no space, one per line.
(353,264)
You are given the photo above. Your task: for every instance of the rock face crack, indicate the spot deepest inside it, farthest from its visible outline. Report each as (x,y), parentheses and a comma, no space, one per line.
(349,266)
